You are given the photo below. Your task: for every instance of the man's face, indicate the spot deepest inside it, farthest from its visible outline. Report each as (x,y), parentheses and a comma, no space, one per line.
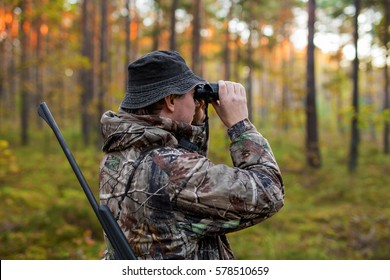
(189,110)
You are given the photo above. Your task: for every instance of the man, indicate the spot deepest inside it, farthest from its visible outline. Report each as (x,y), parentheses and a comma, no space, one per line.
(169,199)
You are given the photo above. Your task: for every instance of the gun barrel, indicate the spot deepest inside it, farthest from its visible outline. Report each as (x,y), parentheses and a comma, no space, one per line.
(45,113)
(104,215)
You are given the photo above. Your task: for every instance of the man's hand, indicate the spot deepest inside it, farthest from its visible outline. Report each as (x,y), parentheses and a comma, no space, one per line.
(200,114)
(232,105)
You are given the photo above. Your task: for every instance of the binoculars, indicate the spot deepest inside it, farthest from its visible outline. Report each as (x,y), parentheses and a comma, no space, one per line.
(207,92)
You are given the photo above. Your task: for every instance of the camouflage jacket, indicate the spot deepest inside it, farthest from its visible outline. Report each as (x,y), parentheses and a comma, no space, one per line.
(178,204)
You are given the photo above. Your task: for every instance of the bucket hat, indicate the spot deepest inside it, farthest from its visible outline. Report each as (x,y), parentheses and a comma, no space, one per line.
(156,75)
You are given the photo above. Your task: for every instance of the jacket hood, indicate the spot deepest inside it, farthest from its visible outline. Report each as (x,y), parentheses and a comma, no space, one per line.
(123,130)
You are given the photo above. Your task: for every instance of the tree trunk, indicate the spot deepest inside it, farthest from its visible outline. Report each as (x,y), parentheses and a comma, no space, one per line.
(285,82)
(157,28)
(226,52)
(249,84)
(39,66)
(196,59)
(3,69)
(236,72)
(339,97)
(386,99)
(172,38)
(355,134)
(128,38)
(104,58)
(25,70)
(14,83)
(313,157)
(86,75)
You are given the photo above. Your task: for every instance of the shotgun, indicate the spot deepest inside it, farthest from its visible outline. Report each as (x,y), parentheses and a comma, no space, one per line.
(102,212)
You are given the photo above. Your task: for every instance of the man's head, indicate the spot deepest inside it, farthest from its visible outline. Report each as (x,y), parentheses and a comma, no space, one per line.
(155,76)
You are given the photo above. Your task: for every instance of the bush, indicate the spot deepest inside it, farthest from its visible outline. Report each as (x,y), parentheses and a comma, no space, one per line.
(8,162)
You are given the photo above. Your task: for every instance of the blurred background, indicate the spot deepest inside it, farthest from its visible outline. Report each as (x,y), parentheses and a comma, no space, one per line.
(317,79)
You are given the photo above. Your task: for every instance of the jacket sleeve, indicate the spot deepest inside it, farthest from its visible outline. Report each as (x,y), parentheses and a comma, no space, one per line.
(218,199)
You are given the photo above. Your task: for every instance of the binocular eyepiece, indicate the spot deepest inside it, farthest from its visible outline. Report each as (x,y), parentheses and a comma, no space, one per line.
(207,92)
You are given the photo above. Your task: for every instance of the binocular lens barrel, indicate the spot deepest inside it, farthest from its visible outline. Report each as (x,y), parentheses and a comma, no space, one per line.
(208,92)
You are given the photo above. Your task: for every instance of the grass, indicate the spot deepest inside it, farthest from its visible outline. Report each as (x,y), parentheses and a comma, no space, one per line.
(328,213)
(45,214)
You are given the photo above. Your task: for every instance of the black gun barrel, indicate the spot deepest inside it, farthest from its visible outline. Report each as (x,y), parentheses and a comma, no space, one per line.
(102,212)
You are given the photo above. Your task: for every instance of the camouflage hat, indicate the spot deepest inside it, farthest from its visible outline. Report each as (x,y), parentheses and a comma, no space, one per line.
(156,75)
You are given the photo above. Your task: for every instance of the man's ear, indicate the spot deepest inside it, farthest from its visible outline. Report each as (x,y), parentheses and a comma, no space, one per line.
(170,103)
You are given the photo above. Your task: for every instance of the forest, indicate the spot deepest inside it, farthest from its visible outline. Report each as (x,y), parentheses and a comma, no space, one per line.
(317,83)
